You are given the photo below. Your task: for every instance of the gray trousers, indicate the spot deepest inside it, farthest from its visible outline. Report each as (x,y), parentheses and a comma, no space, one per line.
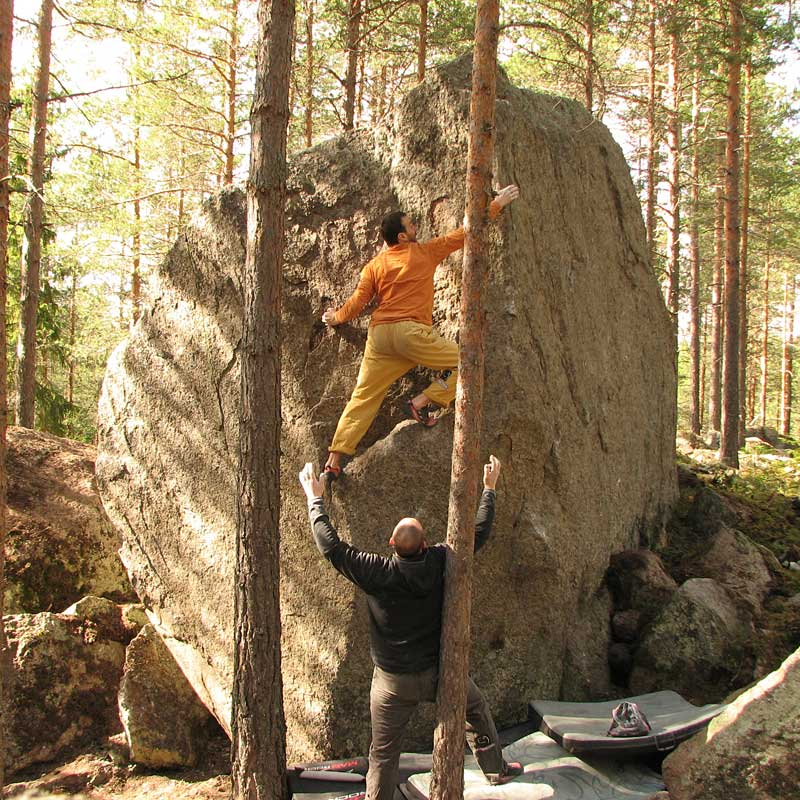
(392,699)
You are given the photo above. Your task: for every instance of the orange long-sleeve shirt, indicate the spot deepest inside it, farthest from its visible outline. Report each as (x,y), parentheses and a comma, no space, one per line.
(402,277)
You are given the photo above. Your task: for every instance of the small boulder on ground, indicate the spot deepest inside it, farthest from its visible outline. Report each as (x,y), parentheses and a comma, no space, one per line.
(165,723)
(60,544)
(62,677)
(736,563)
(749,752)
(696,646)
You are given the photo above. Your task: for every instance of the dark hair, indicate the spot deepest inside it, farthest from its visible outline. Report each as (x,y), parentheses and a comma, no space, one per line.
(392,227)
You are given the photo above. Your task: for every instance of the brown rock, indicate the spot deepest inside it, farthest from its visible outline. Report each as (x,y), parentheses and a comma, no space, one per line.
(749,752)
(60,544)
(62,683)
(582,413)
(164,722)
(625,625)
(696,646)
(736,563)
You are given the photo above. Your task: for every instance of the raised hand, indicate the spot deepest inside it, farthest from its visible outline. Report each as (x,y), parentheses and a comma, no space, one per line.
(491,472)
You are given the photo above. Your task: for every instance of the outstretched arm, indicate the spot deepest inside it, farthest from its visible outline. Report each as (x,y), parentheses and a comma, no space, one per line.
(363,569)
(485,516)
(355,304)
(442,246)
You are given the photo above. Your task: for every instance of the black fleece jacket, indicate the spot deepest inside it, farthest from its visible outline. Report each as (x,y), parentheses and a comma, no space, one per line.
(404,595)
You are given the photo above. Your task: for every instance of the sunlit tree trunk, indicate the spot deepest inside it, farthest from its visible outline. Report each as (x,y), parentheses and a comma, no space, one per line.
(703,369)
(695,401)
(136,278)
(309,110)
(6,37)
(652,137)
(743,327)
(674,172)
(788,354)
(353,33)
(765,321)
(588,43)
(73,317)
(32,243)
(422,46)
(448,743)
(717,308)
(258,729)
(729,439)
(230,91)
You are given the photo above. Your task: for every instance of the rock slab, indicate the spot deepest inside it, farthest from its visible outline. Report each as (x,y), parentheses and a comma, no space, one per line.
(749,752)
(60,544)
(163,719)
(581,411)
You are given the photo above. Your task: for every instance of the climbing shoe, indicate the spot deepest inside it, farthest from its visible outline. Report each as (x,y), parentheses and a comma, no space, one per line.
(513,769)
(421,415)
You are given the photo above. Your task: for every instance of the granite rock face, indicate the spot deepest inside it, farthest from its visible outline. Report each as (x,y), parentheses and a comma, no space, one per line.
(60,544)
(62,678)
(749,752)
(163,719)
(580,408)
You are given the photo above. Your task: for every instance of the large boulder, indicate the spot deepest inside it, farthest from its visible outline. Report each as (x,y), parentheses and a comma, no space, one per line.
(62,678)
(60,544)
(163,719)
(696,646)
(749,752)
(580,408)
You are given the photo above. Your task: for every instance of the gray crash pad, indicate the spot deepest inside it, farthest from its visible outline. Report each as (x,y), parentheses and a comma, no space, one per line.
(583,727)
(550,772)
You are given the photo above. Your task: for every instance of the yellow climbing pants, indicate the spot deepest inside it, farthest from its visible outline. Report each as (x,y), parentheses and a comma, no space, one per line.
(392,350)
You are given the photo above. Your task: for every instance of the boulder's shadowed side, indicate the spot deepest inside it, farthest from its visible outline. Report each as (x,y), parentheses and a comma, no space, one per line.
(579,405)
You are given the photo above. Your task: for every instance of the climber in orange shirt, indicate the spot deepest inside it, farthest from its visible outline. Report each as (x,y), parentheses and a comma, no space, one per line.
(400,334)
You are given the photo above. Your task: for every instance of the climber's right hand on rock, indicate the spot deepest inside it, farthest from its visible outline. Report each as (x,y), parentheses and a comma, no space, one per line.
(507,195)
(329,316)
(312,486)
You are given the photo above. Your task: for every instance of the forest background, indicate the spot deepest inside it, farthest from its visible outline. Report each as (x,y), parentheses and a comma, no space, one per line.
(148,114)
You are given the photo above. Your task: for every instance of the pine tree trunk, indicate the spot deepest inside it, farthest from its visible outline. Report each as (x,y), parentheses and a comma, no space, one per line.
(703,363)
(258,729)
(652,140)
(717,307)
(353,32)
(422,47)
(309,72)
(448,747)
(588,43)
(695,403)
(729,439)
(32,244)
(788,355)
(743,327)
(6,37)
(674,173)
(230,92)
(73,318)
(765,323)
(136,278)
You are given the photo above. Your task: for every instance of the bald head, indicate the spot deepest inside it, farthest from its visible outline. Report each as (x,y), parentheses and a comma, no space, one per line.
(407,537)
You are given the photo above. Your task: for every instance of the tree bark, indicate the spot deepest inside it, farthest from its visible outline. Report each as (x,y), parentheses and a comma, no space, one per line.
(448,748)
(652,141)
(6,37)
(258,730)
(717,308)
(353,32)
(73,316)
(230,91)
(743,247)
(765,322)
(788,355)
(32,243)
(674,173)
(729,438)
(695,402)
(588,43)
(136,277)
(422,47)
(309,111)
